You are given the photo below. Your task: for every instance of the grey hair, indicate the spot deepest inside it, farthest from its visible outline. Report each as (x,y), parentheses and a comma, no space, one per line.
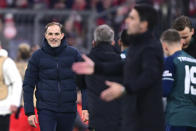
(103,33)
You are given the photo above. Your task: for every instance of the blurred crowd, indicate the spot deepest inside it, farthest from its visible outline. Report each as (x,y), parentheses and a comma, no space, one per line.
(61,4)
(78,27)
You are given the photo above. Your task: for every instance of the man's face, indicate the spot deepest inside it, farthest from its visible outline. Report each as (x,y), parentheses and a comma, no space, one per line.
(54,35)
(186,35)
(133,22)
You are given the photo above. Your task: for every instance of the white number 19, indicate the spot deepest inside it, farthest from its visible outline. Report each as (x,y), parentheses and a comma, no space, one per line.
(189,80)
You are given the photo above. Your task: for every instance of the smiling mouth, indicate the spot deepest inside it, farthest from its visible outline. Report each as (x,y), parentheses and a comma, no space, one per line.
(53,41)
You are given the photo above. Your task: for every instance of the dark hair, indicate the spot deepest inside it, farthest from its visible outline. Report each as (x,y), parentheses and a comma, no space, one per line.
(147,13)
(181,22)
(170,36)
(55,23)
(24,51)
(124,37)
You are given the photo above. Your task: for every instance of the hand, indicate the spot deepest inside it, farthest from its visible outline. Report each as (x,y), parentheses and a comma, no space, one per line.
(13,108)
(32,120)
(86,67)
(114,91)
(85,115)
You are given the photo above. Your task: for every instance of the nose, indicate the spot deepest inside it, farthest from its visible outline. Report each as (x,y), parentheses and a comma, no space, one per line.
(127,22)
(182,41)
(53,36)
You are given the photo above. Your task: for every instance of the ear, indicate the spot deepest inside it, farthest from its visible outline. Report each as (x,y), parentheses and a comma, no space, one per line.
(45,34)
(192,31)
(144,26)
(62,35)
(119,42)
(93,43)
(164,45)
(165,49)
(113,43)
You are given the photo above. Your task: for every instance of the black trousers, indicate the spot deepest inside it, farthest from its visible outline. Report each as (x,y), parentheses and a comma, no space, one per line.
(56,121)
(4,122)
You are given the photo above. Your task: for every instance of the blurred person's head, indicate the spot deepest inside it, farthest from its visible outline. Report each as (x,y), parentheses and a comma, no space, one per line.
(54,34)
(184,27)
(79,4)
(34,48)
(68,25)
(103,34)
(123,40)
(171,41)
(71,38)
(107,4)
(59,5)
(24,52)
(141,19)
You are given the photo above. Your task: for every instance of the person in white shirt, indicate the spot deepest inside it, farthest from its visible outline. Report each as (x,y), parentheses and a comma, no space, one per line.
(13,81)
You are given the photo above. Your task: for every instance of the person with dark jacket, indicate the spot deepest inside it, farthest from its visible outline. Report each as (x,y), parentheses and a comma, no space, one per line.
(184,27)
(49,70)
(103,116)
(142,108)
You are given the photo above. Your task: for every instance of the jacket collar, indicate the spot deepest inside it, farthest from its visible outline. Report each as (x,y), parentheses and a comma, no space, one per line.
(140,38)
(54,51)
(104,46)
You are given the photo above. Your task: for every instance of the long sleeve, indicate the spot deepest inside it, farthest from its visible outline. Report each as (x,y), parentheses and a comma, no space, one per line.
(80,79)
(168,76)
(84,99)
(30,81)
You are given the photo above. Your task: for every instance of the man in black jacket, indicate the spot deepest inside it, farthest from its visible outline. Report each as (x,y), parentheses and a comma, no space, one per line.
(49,70)
(103,116)
(143,109)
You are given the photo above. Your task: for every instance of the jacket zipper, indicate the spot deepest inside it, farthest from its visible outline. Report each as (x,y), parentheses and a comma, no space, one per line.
(59,88)
(59,85)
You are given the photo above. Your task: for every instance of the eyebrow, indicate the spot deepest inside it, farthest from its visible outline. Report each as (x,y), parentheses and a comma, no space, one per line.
(57,33)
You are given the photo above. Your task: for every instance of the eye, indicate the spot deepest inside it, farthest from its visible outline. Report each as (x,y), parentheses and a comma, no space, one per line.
(130,17)
(49,33)
(57,34)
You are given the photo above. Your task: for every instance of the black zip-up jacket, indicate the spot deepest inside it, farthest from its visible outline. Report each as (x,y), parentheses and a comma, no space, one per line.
(49,69)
